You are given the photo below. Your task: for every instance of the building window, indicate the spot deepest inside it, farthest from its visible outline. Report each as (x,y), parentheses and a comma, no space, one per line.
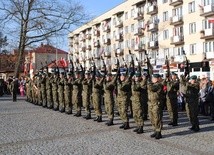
(132,43)
(132,12)
(126,15)
(192,28)
(206,24)
(207,2)
(166,52)
(114,21)
(165,34)
(192,49)
(132,28)
(126,29)
(127,44)
(191,7)
(165,1)
(165,16)
(178,50)
(177,12)
(209,46)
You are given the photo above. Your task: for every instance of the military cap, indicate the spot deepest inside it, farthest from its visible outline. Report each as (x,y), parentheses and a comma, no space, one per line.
(62,73)
(109,74)
(138,74)
(69,73)
(193,77)
(155,75)
(173,73)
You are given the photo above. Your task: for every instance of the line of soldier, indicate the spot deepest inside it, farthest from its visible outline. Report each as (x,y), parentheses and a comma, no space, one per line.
(82,88)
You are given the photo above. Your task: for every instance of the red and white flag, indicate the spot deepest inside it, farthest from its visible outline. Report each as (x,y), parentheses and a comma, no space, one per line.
(211,20)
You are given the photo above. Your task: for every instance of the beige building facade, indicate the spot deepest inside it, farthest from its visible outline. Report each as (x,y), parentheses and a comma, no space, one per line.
(153,28)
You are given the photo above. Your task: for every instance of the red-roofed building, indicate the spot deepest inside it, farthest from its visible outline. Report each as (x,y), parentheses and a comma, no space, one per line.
(42,56)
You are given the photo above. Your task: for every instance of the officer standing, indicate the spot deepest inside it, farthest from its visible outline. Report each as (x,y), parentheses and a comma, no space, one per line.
(191,94)
(155,89)
(86,94)
(14,88)
(136,103)
(172,84)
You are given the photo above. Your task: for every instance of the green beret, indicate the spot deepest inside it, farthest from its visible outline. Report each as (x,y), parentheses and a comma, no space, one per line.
(62,73)
(193,77)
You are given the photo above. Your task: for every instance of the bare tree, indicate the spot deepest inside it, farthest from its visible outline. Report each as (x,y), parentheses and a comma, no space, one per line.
(36,20)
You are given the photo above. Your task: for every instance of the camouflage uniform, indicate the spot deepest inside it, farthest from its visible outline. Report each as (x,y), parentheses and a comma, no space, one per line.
(109,87)
(43,90)
(77,95)
(155,107)
(97,98)
(49,92)
(191,94)
(137,105)
(86,96)
(61,84)
(54,82)
(39,90)
(171,100)
(123,89)
(68,95)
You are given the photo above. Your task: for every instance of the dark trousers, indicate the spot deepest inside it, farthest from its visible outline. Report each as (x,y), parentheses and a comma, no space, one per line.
(14,96)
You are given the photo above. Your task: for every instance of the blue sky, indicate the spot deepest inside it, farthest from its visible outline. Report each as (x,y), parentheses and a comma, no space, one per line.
(98,7)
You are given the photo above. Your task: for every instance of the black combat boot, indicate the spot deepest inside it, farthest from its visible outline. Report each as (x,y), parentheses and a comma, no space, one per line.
(145,117)
(122,126)
(78,114)
(135,130)
(110,122)
(192,128)
(153,135)
(126,126)
(88,116)
(196,129)
(99,119)
(140,130)
(96,118)
(158,135)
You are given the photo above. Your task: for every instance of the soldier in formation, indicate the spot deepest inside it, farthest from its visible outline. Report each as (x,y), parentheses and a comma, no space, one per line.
(86,88)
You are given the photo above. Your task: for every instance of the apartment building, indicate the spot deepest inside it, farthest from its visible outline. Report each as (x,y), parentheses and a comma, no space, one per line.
(155,28)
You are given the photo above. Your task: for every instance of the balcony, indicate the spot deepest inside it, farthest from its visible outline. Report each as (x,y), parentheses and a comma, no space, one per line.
(107,41)
(97,33)
(82,38)
(176,20)
(139,15)
(107,29)
(88,47)
(152,27)
(119,51)
(210,55)
(175,2)
(207,10)
(76,41)
(119,37)
(152,10)
(138,32)
(177,40)
(88,36)
(97,44)
(207,33)
(140,48)
(119,24)
(107,54)
(83,49)
(153,45)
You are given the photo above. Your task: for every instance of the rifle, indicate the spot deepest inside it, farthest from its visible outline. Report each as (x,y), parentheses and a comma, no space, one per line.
(72,66)
(57,68)
(149,68)
(42,67)
(186,68)
(168,68)
(104,65)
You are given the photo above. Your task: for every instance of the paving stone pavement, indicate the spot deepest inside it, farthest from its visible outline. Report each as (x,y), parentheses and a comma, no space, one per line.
(29,129)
